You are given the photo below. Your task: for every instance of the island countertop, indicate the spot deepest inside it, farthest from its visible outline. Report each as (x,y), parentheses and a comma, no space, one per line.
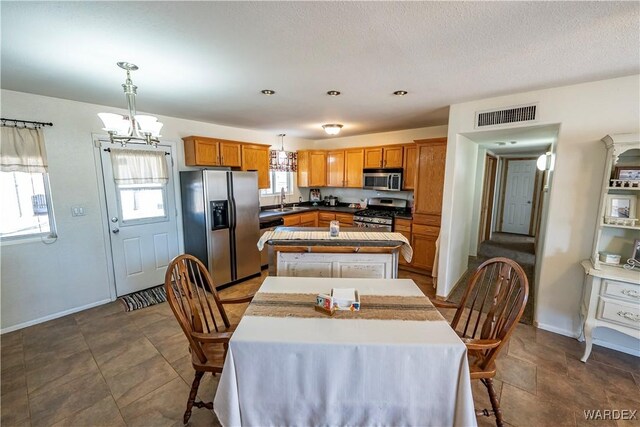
(333,242)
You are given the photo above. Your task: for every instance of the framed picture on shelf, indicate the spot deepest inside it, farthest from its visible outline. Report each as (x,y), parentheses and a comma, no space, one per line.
(620,206)
(636,250)
(627,173)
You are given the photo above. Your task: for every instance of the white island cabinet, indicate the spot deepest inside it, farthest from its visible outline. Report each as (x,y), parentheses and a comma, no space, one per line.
(611,294)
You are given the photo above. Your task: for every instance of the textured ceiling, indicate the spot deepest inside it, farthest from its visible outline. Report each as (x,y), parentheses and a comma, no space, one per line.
(208,61)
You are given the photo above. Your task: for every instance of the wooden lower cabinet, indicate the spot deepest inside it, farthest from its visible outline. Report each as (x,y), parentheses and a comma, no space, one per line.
(424,251)
(309,219)
(403,226)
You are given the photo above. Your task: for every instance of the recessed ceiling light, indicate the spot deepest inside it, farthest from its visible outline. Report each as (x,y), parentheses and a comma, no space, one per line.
(268,92)
(333,93)
(400,93)
(513,142)
(332,128)
(501,143)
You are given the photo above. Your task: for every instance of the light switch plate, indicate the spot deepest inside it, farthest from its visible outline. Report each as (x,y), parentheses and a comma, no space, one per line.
(78,211)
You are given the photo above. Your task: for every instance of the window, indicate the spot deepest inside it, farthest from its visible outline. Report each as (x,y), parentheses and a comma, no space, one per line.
(26,205)
(142,201)
(279,180)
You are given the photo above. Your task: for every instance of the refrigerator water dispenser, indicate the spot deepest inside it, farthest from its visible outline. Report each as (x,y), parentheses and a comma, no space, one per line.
(219,214)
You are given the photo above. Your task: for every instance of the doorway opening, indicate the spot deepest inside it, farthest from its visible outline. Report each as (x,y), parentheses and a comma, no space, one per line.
(510,201)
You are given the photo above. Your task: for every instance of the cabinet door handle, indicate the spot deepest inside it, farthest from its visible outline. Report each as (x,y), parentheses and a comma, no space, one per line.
(630,293)
(629,316)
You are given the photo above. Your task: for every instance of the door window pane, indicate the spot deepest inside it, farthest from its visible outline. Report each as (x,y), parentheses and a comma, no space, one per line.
(142,201)
(25,205)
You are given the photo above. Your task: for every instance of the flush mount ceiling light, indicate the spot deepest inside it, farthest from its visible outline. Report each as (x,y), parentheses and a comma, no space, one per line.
(333,93)
(332,128)
(268,92)
(400,93)
(134,127)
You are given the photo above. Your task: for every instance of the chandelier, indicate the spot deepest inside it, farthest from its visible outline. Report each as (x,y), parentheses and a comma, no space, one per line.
(134,127)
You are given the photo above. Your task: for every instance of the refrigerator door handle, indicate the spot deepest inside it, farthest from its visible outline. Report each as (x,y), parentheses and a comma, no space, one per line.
(232,227)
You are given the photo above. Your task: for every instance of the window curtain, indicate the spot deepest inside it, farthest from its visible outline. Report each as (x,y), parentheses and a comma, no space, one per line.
(22,150)
(139,166)
(283,163)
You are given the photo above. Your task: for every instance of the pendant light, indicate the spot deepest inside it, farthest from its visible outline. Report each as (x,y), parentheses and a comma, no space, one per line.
(282,155)
(134,127)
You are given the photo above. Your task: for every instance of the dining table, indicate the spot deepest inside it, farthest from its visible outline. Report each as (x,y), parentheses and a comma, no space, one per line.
(394,362)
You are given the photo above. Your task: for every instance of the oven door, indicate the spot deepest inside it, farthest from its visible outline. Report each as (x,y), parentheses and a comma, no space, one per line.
(379,227)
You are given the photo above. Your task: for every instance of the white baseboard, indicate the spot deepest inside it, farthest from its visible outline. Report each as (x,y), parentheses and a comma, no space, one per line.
(556,330)
(53,316)
(596,341)
(622,349)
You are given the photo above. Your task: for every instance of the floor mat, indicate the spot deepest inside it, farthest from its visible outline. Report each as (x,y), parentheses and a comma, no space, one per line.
(144,298)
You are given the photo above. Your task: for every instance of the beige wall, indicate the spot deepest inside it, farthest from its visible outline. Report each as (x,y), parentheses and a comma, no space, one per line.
(585,113)
(40,281)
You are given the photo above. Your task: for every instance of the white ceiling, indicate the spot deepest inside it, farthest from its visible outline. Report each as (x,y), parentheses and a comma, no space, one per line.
(208,61)
(529,140)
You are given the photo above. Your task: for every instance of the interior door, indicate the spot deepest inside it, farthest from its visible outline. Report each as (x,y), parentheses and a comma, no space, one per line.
(142,224)
(518,196)
(486,206)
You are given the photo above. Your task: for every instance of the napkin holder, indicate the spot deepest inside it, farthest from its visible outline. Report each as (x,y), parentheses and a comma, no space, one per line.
(324,304)
(346,304)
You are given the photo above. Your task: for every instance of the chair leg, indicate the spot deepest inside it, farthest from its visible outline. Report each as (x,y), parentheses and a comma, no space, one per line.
(192,396)
(493,397)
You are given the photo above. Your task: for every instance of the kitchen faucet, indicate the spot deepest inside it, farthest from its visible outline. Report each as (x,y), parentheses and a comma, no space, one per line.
(283,198)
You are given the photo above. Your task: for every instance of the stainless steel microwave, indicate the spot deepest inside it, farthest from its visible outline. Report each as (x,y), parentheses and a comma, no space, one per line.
(382,179)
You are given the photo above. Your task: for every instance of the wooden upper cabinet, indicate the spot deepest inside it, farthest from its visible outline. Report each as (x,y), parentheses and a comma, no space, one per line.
(409,167)
(230,153)
(200,152)
(429,183)
(312,168)
(303,169)
(353,165)
(335,169)
(317,168)
(392,157)
(256,158)
(373,157)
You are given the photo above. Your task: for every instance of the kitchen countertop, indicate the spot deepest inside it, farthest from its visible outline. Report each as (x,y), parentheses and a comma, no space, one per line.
(268,214)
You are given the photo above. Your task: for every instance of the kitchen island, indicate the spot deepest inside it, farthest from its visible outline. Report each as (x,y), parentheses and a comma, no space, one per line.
(355,252)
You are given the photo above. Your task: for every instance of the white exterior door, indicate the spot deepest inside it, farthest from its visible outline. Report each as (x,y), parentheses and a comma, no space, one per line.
(142,225)
(518,196)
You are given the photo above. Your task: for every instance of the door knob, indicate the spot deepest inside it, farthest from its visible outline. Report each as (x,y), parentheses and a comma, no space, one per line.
(114,219)
(115,230)
(529,201)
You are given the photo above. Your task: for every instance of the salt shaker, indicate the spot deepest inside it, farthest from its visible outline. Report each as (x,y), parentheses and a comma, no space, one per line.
(334,228)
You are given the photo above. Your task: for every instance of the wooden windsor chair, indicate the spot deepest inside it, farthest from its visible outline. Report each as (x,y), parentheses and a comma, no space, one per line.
(201,315)
(486,316)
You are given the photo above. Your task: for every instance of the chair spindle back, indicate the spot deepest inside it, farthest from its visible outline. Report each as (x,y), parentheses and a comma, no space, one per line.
(493,303)
(193,299)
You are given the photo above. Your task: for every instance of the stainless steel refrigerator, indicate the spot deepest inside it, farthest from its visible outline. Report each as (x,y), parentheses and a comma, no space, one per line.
(220,214)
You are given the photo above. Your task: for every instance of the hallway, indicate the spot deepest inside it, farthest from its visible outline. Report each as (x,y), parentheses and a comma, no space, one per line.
(517,247)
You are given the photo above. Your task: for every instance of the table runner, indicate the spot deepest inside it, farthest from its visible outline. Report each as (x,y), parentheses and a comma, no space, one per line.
(373,307)
(325,371)
(370,236)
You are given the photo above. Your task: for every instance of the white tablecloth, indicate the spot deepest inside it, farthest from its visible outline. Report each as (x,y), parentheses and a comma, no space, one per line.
(323,371)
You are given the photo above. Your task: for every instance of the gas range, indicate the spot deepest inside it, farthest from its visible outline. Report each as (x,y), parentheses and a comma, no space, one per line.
(379,214)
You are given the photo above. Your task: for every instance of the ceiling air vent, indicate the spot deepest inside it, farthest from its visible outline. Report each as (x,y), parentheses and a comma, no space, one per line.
(525,113)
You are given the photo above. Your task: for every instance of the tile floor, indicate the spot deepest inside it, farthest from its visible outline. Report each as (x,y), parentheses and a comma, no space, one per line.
(105,367)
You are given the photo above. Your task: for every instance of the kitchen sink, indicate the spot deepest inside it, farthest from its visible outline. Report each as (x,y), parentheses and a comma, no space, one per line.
(287,209)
